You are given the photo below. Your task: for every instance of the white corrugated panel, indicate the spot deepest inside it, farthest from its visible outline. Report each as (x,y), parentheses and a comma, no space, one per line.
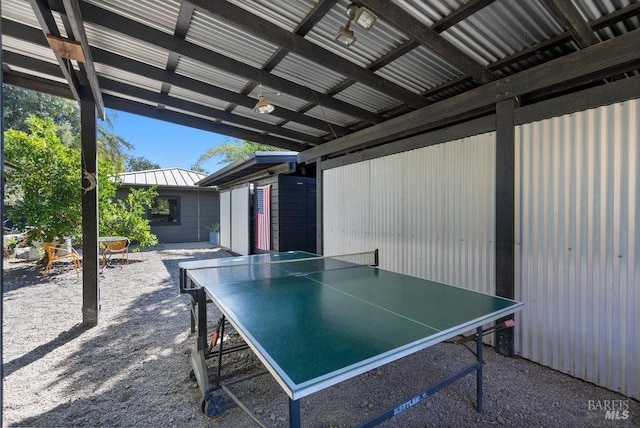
(286,14)
(205,73)
(19,11)
(126,46)
(430,211)
(197,97)
(367,98)
(227,39)
(240,220)
(159,14)
(307,73)
(419,70)
(579,240)
(128,78)
(225,218)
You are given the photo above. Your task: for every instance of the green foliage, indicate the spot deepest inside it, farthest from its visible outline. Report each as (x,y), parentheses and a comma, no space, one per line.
(214,227)
(232,151)
(19,104)
(46,189)
(140,163)
(47,178)
(118,217)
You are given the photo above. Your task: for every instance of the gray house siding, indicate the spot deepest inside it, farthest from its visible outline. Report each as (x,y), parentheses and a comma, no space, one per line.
(293,213)
(198,209)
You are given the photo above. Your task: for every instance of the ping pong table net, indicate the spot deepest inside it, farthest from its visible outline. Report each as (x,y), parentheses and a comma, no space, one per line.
(251,271)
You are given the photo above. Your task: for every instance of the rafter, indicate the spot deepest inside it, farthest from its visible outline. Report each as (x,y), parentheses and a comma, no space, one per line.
(196,122)
(295,43)
(49,26)
(612,55)
(214,114)
(119,23)
(430,38)
(75,20)
(35,36)
(569,16)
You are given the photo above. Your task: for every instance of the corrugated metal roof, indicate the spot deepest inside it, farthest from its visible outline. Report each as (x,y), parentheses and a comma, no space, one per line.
(248,165)
(167,177)
(289,48)
(227,39)
(158,14)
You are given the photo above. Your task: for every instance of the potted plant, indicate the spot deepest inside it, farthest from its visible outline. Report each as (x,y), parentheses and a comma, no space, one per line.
(214,234)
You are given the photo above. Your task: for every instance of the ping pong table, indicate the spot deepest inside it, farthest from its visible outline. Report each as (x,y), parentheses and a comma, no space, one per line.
(317,321)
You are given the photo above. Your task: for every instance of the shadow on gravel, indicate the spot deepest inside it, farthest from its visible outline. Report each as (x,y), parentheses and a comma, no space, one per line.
(42,350)
(135,359)
(23,274)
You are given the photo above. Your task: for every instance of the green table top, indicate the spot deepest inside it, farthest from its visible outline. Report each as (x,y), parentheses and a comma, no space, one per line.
(318,322)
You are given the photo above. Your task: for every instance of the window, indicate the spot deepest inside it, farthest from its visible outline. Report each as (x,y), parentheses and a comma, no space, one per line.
(165,210)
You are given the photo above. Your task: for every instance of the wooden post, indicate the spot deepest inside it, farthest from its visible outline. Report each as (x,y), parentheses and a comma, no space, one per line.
(505,214)
(319,207)
(90,266)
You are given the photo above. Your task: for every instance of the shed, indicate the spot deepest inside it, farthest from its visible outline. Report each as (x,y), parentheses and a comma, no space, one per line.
(285,220)
(182,210)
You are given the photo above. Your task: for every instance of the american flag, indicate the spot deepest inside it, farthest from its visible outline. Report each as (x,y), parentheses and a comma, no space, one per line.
(263,218)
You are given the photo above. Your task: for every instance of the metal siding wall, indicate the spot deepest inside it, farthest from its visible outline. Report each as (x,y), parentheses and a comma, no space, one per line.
(579,261)
(429,211)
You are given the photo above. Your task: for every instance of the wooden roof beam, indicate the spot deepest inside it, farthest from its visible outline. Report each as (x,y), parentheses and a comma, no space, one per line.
(75,20)
(49,27)
(569,17)
(430,38)
(298,44)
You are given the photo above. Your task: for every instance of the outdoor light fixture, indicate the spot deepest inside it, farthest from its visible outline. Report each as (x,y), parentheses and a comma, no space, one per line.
(362,16)
(263,106)
(345,36)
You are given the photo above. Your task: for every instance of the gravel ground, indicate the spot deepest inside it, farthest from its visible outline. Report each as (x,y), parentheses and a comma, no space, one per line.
(133,368)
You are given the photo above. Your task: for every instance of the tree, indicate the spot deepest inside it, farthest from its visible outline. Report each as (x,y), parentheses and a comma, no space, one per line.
(47,180)
(140,163)
(232,151)
(46,187)
(117,217)
(20,104)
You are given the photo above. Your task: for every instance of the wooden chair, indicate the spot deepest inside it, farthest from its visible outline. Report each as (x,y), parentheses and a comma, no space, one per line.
(58,251)
(115,247)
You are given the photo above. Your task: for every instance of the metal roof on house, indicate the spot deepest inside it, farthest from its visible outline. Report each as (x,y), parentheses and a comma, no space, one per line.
(203,63)
(251,166)
(167,177)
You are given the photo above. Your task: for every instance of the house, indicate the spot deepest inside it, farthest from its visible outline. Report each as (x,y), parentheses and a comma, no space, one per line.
(182,211)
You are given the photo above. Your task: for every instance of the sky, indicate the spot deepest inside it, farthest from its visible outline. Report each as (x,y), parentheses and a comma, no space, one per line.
(165,143)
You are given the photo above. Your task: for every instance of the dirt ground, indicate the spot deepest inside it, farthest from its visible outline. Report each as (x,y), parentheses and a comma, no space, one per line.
(133,368)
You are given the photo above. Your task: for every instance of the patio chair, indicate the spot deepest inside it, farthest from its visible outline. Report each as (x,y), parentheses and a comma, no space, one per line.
(58,251)
(116,247)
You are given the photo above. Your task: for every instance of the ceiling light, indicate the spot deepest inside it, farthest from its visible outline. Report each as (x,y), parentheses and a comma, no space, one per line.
(345,36)
(263,106)
(364,18)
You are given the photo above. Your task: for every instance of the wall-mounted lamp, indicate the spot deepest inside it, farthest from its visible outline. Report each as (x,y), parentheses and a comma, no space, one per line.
(362,16)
